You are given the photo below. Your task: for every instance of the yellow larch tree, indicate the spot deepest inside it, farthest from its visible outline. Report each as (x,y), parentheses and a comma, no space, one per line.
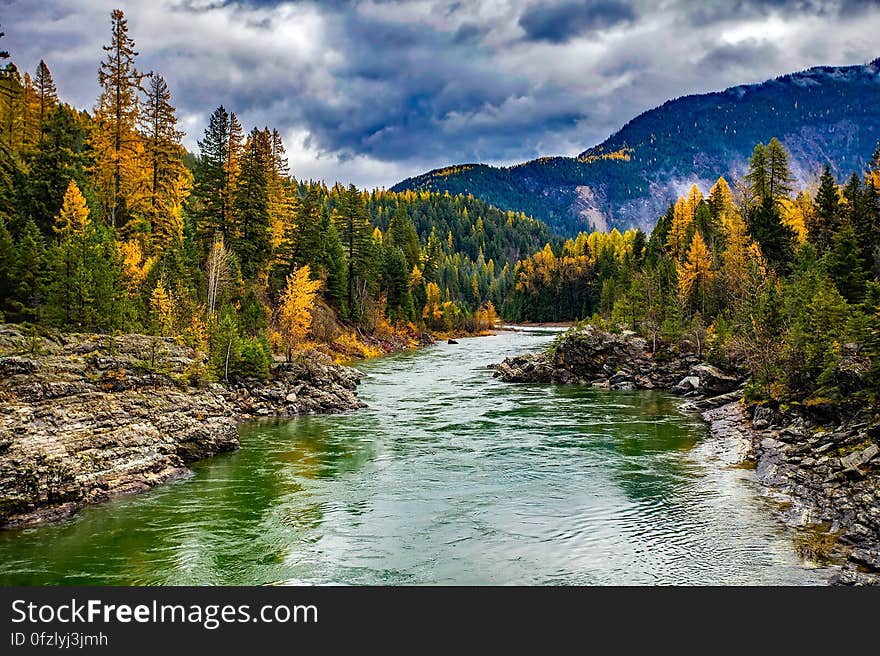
(294,313)
(874,169)
(741,260)
(416,279)
(694,198)
(119,162)
(432,312)
(486,317)
(798,214)
(135,267)
(73,219)
(162,307)
(695,274)
(682,219)
(30,119)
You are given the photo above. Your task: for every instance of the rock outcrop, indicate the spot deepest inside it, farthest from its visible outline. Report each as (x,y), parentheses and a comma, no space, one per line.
(87,417)
(622,361)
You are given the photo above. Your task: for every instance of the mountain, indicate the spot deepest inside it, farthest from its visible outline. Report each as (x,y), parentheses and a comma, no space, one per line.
(823,114)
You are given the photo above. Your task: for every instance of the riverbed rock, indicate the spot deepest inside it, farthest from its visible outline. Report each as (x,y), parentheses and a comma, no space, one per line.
(712,380)
(87,417)
(687,385)
(588,355)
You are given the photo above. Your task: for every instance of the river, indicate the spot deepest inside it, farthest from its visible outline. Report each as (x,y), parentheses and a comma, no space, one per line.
(450,477)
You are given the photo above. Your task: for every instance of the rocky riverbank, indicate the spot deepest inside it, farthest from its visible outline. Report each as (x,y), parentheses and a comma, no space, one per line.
(824,474)
(826,480)
(87,417)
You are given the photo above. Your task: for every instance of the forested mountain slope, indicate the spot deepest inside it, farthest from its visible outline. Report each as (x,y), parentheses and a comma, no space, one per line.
(821,115)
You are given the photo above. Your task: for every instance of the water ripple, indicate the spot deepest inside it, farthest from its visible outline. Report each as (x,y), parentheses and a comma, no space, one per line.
(449,477)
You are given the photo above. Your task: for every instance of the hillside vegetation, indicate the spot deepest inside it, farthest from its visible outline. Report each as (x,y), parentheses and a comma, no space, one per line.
(824,115)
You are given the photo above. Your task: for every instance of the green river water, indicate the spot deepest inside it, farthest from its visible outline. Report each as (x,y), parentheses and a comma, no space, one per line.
(450,477)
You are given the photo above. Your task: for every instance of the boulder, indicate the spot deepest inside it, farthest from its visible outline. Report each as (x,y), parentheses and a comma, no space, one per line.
(687,385)
(713,381)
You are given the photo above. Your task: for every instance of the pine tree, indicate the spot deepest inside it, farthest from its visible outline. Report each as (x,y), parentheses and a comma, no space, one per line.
(354,230)
(60,158)
(657,244)
(44,87)
(210,185)
(863,211)
(282,168)
(779,178)
(30,284)
(251,204)
(333,262)
(826,217)
(402,233)
(775,238)
(395,280)
(844,264)
(433,257)
(869,231)
(769,176)
(7,266)
(169,179)
(232,166)
(116,142)
(758,175)
(225,346)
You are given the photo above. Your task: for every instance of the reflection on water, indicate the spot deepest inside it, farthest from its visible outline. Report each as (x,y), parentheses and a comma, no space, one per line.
(449,477)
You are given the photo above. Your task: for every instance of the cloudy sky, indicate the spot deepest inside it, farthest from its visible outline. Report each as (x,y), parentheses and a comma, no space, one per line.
(374,91)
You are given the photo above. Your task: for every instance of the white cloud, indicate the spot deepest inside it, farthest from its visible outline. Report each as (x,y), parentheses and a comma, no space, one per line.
(376,91)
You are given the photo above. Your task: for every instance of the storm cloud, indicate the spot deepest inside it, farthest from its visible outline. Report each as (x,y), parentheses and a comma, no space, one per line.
(563,21)
(372,91)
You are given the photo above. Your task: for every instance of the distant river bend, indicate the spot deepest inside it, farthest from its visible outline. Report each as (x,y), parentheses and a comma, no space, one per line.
(449,477)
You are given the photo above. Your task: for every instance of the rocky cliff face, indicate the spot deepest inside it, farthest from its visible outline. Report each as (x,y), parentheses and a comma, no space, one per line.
(87,417)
